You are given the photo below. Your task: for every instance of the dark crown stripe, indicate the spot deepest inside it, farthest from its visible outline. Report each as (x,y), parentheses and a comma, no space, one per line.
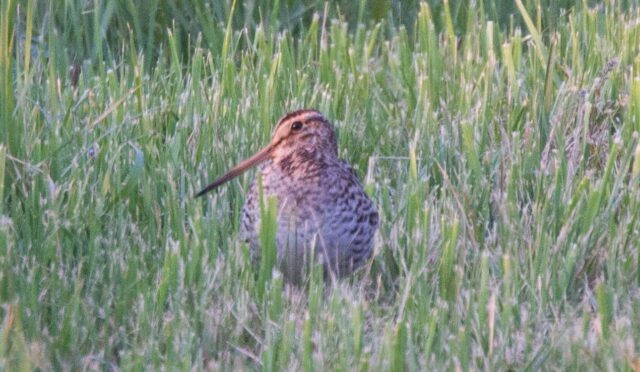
(294,114)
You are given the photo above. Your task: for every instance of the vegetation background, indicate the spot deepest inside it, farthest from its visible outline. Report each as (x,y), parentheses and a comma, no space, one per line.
(499,141)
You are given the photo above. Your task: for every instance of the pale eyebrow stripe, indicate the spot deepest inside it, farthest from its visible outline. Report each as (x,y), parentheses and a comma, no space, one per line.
(303,115)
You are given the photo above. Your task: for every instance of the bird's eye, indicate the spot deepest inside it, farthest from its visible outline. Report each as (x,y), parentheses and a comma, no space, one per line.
(296,126)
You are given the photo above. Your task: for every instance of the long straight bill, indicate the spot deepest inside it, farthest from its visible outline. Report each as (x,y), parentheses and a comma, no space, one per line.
(256,159)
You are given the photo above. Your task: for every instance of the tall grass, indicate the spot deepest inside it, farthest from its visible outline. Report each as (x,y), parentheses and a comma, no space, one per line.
(499,144)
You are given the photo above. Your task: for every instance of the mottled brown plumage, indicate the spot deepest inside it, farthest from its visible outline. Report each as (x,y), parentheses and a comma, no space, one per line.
(323,212)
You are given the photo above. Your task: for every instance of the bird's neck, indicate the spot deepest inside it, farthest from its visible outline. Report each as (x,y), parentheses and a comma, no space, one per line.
(303,160)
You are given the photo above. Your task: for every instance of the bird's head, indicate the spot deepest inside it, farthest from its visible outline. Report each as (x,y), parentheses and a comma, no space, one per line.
(303,130)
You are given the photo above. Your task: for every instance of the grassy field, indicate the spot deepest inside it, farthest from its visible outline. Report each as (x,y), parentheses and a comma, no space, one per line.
(500,144)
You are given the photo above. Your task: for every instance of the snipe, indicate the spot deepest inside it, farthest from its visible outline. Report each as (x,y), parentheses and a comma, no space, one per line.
(323,211)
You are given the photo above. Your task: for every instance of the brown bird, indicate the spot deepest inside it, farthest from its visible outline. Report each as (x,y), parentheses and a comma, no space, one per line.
(323,211)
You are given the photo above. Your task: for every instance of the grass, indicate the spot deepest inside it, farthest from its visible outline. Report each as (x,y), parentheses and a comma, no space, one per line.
(500,147)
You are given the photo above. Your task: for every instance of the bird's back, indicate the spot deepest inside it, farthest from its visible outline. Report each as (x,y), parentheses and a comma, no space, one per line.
(321,206)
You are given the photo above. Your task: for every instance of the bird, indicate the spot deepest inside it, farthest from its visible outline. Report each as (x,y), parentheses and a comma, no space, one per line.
(323,212)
